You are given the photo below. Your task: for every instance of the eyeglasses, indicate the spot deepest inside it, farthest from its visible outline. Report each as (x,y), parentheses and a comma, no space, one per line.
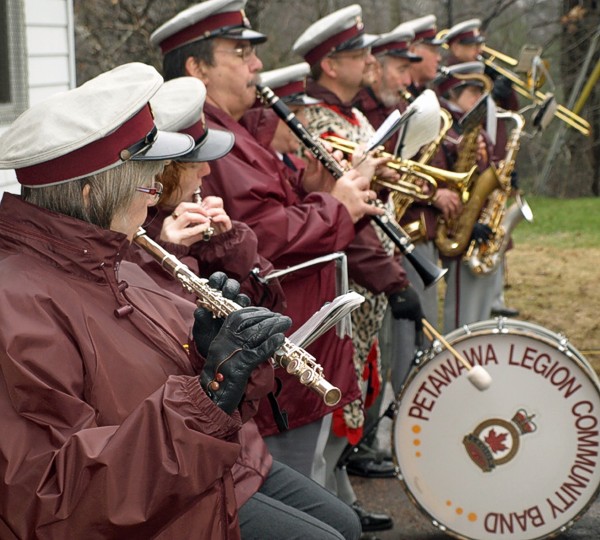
(241,51)
(155,192)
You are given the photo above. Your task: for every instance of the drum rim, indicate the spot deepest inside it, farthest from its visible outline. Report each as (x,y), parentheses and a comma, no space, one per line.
(502,329)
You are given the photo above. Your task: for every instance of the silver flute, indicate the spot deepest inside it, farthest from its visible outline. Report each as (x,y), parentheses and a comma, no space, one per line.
(293,359)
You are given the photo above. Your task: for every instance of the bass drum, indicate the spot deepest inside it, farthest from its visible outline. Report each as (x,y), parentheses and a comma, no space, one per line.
(519,460)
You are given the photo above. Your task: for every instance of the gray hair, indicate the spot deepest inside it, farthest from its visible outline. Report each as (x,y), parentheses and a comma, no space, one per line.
(111,192)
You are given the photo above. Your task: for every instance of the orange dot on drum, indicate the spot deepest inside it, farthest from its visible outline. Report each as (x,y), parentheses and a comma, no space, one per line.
(417,442)
(418,454)
(416,429)
(472,516)
(459,511)
(448,503)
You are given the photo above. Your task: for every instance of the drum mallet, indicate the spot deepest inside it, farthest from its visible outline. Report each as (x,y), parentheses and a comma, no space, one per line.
(477,375)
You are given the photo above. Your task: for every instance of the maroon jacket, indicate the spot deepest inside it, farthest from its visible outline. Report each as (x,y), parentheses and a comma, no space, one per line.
(106,432)
(290,230)
(234,252)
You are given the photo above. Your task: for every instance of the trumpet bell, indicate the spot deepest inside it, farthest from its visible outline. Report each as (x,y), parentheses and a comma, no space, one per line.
(429,175)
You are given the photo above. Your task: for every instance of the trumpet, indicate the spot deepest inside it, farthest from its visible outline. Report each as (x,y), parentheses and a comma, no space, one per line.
(428,174)
(292,358)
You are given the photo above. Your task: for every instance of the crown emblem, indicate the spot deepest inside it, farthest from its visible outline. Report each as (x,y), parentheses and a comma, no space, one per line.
(524,421)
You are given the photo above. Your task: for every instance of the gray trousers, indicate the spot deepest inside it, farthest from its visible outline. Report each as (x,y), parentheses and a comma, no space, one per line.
(469,297)
(297,448)
(291,506)
(397,337)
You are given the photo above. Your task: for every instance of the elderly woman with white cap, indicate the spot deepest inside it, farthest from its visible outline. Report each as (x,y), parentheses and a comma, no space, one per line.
(113,426)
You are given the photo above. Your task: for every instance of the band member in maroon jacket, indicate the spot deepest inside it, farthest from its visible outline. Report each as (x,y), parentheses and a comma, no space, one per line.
(119,418)
(214,43)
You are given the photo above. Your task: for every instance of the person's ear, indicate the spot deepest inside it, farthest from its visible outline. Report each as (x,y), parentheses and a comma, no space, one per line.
(195,68)
(85,192)
(328,67)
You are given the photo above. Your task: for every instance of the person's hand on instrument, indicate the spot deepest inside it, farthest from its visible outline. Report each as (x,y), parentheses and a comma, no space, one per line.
(248,337)
(448,202)
(406,304)
(352,190)
(220,220)
(206,325)
(481,233)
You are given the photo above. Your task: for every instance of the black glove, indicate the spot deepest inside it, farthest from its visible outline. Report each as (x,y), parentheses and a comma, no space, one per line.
(481,233)
(247,338)
(407,305)
(206,325)
(502,88)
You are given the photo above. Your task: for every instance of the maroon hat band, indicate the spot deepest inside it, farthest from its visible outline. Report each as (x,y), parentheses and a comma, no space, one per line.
(92,157)
(394,46)
(425,35)
(329,45)
(197,131)
(465,35)
(202,29)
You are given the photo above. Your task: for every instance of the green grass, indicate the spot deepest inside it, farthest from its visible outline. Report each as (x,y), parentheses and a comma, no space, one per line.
(565,223)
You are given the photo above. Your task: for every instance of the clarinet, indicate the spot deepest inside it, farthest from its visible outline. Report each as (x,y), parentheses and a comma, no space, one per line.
(293,359)
(428,272)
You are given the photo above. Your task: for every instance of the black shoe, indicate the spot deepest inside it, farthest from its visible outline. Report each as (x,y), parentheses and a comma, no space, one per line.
(505,312)
(372,522)
(370,468)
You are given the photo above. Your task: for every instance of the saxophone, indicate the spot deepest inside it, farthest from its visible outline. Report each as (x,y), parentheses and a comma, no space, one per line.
(453,236)
(293,359)
(484,258)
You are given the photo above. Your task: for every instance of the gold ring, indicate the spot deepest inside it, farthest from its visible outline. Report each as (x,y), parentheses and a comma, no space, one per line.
(174,215)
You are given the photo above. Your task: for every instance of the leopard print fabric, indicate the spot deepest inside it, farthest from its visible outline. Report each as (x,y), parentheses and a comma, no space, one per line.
(368,317)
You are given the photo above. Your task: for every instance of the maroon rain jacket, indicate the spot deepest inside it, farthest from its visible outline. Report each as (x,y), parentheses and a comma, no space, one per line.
(106,432)
(290,230)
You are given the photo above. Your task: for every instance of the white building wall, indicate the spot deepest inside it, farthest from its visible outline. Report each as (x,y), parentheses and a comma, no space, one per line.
(50,54)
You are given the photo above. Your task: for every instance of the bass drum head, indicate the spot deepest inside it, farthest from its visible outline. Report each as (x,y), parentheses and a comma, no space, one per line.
(519,460)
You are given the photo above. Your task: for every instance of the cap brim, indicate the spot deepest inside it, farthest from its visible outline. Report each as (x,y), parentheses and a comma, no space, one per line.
(358,42)
(215,145)
(167,145)
(471,40)
(406,55)
(434,41)
(245,34)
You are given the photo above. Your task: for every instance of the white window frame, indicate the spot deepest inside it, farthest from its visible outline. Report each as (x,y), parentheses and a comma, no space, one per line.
(14,60)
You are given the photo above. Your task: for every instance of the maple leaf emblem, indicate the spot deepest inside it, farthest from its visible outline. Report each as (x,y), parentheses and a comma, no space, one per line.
(495,441)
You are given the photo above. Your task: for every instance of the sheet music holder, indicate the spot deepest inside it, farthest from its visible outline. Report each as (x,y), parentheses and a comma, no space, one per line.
(475,116)
(344,324)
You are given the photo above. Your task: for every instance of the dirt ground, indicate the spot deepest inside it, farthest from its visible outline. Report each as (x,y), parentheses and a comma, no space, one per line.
(560,291)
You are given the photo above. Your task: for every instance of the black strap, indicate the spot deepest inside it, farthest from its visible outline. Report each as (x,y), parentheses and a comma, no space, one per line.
(280,416)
